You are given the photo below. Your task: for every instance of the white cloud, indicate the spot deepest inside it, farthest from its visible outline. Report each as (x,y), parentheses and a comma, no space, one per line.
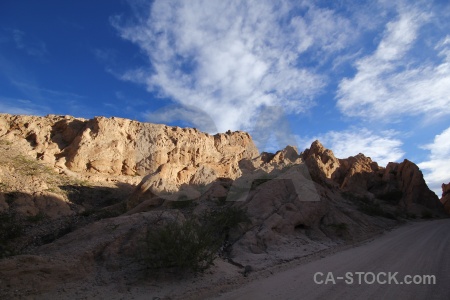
(19,107)
(382,147)
(191,116)
(231,58)
(393,82)
(33,46)
(437,167)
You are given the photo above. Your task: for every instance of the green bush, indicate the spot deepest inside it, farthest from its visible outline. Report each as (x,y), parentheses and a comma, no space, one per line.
(339,226)
(192,245)
(182,204)
(367,206)
(393,197)
(10,229)
(426,214)
(185,246)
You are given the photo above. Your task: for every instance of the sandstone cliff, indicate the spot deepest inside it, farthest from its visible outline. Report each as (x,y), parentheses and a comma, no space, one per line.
(88,191)
(102,148)
(401,184)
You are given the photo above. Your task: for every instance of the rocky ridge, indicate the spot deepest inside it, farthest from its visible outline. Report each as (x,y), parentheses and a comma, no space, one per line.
(103,148)
(108,181)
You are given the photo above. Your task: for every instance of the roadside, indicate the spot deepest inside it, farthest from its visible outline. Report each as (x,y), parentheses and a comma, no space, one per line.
(416,249)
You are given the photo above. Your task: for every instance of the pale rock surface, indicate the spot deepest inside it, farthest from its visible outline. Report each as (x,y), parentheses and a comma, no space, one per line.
(402,183)
(101,149)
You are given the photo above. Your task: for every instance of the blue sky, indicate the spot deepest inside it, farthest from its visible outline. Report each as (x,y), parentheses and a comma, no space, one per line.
(360,76)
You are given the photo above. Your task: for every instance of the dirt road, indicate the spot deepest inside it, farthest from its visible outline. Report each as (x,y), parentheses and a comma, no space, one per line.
(421,248)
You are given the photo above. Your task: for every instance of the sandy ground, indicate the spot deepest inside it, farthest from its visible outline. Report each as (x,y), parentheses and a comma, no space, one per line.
(421,248)
(417,248)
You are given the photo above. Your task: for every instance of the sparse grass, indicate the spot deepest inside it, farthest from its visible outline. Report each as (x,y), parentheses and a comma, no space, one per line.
(221,201)
(5,142)
(37,218)
(411,215)
(426,214)
(191,245)
(367,206)
(30,167)
(392,197)
(10,229)
(182,204)
(339,226)
(4,187)
(99,214)
(9,197)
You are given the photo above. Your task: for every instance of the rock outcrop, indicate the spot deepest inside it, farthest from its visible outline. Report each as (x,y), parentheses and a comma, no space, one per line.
(401,184)
(102,148)
(297,203)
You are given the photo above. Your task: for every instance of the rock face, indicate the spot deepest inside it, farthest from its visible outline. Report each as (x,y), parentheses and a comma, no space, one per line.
(297,203)
(105,147)
(445,200)
(400,183)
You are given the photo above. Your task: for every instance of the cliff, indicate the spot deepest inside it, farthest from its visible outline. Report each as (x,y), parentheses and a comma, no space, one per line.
(103,148)
(78,197)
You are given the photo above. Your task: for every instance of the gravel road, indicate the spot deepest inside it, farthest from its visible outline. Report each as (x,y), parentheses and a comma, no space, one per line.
(421,248)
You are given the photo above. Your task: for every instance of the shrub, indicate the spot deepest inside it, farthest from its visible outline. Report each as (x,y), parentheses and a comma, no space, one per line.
(186,246)
(182,203)
(339,226)
(393,197)
(426,214)
(10,229)
(37,218)
(192,245)
(367,206)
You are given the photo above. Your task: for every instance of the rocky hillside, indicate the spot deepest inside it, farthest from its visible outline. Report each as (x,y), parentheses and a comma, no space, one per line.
(78,197)
(102,148)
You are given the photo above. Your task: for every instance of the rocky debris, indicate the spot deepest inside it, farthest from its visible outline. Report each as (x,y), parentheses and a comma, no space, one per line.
(445,200)
(111,243)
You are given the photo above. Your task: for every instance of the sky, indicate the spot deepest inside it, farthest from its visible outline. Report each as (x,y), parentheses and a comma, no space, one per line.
(368,77)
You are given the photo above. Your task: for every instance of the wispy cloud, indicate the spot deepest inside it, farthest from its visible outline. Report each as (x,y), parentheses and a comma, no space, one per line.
(395,81)
(190,116)
(31,46)
(437,167)
(231,58)
(36,92)
(382,147)
(20,107)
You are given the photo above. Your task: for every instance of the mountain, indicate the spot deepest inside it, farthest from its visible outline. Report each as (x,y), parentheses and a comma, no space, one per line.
(78,197)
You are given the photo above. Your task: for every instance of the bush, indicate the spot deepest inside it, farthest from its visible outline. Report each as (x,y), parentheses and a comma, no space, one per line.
(426,214)
(10,229)
(367,206)
(182,203)
(393,197)
(186,246)
(339,226)
(192,245)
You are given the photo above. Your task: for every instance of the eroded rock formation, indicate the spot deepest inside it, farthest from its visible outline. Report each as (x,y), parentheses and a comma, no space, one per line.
(400,183)
(104,147)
